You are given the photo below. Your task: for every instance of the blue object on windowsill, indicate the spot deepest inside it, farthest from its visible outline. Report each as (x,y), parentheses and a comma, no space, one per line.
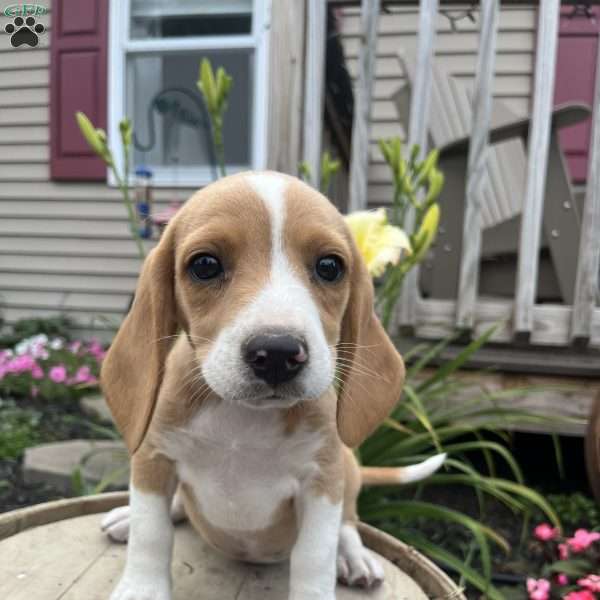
(143,201)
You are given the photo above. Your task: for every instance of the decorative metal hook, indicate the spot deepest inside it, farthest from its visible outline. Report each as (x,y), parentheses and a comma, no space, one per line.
(582,9)
(455,17)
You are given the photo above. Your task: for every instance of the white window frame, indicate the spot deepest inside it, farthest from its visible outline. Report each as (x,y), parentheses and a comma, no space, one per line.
(120,46)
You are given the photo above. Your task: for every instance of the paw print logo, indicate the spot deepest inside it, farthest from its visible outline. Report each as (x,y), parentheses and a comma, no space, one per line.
(24,31)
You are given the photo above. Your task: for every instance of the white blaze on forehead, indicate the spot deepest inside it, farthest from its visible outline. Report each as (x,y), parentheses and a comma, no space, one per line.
(271,189)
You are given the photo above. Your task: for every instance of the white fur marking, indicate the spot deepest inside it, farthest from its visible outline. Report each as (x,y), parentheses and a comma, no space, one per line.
(313,561)
(147,574)
(240,464)
(355,564)
(422,470)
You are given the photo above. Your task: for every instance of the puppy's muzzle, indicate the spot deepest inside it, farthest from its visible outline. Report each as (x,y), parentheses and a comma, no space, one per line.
(275,357)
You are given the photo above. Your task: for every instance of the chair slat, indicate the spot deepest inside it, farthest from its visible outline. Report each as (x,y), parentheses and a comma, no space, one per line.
(316,32)
(588,262)
(476,166)
(417,134)
(539,140)
(362,110)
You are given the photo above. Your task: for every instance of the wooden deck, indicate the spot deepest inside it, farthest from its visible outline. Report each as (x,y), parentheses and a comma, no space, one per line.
(71,559)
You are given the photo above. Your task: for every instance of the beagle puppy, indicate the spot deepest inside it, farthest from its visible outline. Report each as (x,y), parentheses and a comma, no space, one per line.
(250,363)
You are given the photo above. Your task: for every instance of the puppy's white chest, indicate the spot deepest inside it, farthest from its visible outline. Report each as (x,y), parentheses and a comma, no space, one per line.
(241,464)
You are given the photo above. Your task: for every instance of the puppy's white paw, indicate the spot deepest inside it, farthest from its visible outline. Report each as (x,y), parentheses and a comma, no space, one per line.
(132,588)
(310,595)
(356,565)
(115,524)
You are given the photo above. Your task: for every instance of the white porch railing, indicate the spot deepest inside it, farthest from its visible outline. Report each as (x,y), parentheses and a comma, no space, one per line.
(553,324)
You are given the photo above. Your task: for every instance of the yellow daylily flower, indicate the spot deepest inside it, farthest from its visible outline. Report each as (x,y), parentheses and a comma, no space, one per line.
(427,232)
(379,243)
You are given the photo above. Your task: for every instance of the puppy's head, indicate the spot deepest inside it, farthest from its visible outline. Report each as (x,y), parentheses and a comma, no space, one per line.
(261,273)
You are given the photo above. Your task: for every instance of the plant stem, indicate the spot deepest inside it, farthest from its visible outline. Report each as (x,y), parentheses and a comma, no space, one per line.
(219,145)
(122,184)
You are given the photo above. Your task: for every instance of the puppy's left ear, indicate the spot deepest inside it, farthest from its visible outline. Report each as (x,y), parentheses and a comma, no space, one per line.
(134,366)
(371,369)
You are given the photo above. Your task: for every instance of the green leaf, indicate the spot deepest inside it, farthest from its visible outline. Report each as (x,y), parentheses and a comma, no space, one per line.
(450,560)
(207,85)
(427,166)
(126,131)
(453,365)
(408,509)
(492,446)
(531,495)
(573,567)
(96,138)
(558,455)
(419,411)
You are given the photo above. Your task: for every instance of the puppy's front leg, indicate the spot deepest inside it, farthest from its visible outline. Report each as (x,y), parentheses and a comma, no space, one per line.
(313,560)
(147,574)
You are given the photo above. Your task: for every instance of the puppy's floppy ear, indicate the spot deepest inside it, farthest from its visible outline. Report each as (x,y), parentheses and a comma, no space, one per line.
(133,369)
(372,371)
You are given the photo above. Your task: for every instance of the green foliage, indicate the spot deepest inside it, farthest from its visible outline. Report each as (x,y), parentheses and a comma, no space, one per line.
(215,88)
(329,168)
(52,327)
(18,430)
(576,510)
(425,423)
(96,139)
(417,185)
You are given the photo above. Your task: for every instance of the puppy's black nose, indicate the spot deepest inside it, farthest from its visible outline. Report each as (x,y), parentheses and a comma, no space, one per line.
(275,358)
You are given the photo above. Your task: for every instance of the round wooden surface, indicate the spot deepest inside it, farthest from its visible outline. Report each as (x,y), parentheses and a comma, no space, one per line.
(592,449)
(56,551)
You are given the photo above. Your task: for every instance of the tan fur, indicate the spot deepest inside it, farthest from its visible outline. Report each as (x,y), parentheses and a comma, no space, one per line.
(150,375)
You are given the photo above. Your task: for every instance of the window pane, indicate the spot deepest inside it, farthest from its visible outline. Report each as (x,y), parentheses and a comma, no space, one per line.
(183,18)
(170,124)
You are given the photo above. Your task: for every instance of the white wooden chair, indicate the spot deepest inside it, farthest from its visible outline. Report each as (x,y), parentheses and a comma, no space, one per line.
(502,195)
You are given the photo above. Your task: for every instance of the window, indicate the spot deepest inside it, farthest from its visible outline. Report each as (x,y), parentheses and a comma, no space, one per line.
(156,47)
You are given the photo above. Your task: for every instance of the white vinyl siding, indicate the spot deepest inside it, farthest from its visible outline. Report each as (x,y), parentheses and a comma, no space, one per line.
(64,247)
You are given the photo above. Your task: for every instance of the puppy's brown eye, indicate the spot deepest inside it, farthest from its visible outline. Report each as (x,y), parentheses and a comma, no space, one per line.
(204,266)
(329,268)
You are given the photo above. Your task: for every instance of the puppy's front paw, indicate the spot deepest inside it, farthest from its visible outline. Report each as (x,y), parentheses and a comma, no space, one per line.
(358,567)
(310,595)
(115,524)
(132,588)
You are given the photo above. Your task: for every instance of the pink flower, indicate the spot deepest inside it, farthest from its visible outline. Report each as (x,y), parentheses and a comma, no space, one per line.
(37,372)
(562,579)
(591,583)
(20,364)
(75,346)
(545,533)
(96,350)
(84,375)
(538,589)
(582,540)
(34,391)
(580,595)
(563,551)
(58,374)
